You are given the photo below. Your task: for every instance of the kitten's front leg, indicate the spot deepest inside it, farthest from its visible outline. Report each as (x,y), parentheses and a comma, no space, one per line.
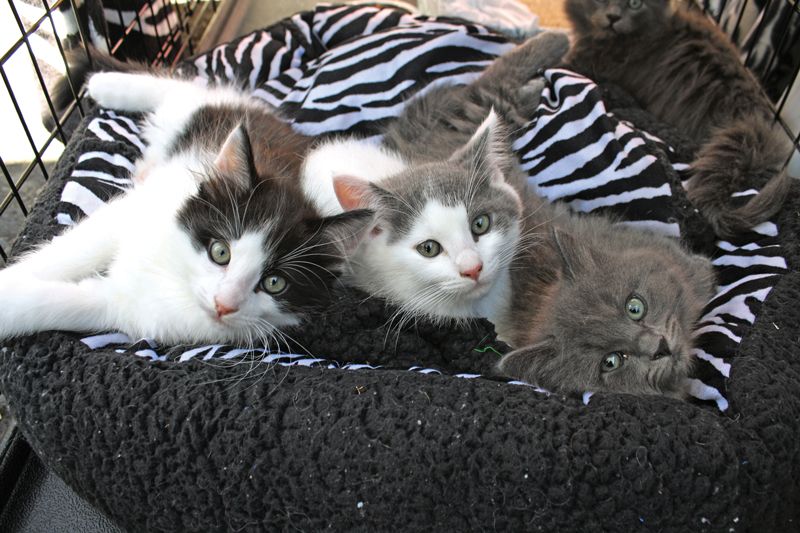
(138,93)
(33,305)
(81,251)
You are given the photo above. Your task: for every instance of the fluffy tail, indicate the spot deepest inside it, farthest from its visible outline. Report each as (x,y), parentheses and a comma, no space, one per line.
(736,158)
(82,63)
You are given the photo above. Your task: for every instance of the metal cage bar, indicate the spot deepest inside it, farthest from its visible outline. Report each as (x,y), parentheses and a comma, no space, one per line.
(159,31)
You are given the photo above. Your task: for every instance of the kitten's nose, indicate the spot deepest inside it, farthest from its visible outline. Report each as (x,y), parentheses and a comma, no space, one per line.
(662,350)
(223,309)
(472,273)
(612,17)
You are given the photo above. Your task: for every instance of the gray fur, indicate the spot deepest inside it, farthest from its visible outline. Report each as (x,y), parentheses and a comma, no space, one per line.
(684,70)
(568,306)
(434,126)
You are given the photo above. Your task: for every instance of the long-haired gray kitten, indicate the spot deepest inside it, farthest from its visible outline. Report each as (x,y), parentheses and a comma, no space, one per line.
(685,71)
(602,307)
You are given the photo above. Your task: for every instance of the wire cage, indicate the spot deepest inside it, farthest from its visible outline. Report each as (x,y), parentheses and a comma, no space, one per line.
(768,34)
(35,38)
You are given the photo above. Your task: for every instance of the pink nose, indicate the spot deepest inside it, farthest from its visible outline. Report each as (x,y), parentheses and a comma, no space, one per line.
(223,309)
(473,273)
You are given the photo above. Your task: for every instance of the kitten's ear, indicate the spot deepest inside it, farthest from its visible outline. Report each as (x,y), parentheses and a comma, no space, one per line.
(352,192)
(345,231)
(702,273)
(573,256)
(529,363)
(486,150)
(235,158)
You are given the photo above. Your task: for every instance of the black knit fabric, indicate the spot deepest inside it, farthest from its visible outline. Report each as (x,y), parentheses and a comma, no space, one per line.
(239,446)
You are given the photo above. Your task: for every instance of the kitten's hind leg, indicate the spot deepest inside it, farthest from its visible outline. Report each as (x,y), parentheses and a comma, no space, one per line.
(32,305)
(137,93)
(518,66)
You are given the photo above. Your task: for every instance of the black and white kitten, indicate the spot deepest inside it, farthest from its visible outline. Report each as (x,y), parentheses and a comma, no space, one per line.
(214,242)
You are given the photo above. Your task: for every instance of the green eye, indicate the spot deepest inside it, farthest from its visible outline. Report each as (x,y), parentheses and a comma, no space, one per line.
(429,248)
(612,361)
(635,4)
(481,224)
(273,284)
(636,307)
(219,252)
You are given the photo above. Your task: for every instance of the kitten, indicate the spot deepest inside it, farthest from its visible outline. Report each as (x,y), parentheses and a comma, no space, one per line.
(447,207)
(213,243)
(602,307)
(444,232)
(685,71)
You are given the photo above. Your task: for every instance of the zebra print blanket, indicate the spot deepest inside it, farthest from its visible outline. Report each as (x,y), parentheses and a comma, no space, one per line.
(422,443)
(351,69)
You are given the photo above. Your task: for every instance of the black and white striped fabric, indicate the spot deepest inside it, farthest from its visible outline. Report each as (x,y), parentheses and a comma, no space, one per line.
(349,69)
(768,33)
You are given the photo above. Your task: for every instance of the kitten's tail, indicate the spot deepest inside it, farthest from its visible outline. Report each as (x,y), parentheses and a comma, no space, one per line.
(727,164)
(82,63)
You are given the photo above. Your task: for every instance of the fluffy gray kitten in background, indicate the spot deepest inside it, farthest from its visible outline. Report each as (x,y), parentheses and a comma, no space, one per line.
(684,70)
(588,305)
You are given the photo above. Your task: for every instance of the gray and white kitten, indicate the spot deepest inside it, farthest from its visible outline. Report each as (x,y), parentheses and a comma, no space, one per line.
(447,208)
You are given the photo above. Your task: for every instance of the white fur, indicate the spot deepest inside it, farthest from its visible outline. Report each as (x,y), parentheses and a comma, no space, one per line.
(434,286)
(344,157)
(131,267)
(169,102)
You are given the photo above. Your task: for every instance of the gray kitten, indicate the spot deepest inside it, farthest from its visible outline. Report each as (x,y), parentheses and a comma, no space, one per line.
(602,307)
(684,70)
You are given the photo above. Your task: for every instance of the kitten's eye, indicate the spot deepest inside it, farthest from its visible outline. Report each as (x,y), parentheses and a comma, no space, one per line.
(612,362)
(273,284)
(636,307)
(219,252)
(481,224)
(635,4)
(429,248)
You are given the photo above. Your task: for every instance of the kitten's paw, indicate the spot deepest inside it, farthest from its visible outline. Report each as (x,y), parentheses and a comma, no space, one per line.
(532,90)
(124,92)
(547,48)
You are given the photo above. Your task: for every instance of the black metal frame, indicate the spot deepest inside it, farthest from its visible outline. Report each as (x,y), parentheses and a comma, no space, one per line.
(179,41)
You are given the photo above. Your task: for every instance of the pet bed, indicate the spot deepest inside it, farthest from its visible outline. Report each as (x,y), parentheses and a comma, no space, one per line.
(383,429)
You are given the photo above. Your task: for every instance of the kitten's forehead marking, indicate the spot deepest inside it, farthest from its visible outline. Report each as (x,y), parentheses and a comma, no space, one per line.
(447,224)
(249,254)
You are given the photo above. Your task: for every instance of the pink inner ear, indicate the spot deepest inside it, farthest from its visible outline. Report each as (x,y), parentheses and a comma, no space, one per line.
(352,192)
(229,158)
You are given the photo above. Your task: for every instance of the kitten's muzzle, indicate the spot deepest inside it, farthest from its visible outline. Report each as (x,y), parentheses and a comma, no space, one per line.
(223,309)
(663,350)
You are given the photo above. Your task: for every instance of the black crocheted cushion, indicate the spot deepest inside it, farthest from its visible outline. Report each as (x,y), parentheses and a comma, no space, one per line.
(201,442)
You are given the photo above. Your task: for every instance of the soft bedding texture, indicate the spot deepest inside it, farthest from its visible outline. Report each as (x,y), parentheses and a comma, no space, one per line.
(384,429)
